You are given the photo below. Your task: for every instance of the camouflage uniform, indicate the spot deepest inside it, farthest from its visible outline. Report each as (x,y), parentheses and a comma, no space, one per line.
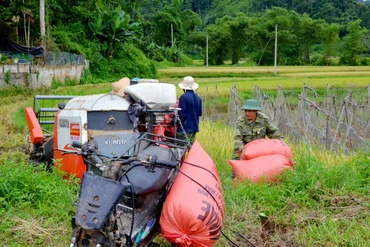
(247,131)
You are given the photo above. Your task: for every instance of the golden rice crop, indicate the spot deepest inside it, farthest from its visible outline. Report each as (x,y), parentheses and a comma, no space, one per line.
(266,70)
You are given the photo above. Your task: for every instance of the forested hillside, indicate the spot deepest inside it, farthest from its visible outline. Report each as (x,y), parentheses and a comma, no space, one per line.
(133,37)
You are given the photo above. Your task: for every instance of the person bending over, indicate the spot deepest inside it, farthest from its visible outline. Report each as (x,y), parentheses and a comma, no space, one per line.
(251,126)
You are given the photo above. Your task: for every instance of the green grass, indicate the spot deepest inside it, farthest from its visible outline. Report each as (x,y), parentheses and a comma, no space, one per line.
(35,206)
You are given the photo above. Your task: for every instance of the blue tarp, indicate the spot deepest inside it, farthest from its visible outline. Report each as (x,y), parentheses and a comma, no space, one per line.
(8,45)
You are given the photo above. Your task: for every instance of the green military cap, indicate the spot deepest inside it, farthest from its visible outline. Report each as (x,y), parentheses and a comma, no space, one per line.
(251,104)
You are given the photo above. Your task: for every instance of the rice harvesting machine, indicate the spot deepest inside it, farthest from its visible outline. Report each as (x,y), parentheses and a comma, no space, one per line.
(108,121)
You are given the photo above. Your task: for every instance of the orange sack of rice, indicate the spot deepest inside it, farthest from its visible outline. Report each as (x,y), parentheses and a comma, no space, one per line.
(267,168)
(193,212)
(261,147)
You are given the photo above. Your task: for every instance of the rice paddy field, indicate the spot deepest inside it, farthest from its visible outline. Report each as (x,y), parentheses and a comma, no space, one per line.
(288,76)
(325,201)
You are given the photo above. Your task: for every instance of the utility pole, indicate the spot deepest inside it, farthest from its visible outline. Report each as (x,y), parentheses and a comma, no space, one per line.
(42,22)
(275,59)
(171,35)
(207,52)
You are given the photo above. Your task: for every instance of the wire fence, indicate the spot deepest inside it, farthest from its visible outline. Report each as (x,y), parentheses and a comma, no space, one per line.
(48,58)
(62,59)
(214,110)
(336,119)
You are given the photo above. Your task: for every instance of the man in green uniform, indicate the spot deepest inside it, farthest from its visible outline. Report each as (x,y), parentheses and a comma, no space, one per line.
(251,126)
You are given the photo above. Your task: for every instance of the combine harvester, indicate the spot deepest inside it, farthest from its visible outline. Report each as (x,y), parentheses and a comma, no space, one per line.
(104,119)
(127,146)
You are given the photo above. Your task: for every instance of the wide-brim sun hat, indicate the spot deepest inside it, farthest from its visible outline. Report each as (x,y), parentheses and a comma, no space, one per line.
(118,86)
(252,105)
(188,83)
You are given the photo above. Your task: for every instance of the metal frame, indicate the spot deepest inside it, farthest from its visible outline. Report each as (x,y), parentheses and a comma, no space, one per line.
(46,115)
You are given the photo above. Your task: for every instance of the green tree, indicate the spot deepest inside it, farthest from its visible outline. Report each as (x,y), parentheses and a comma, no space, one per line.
(228,37)
(219,38)
(367,42)
(221,8)
(330,38)
(238,37)
(132,7)
(195,43)
(195,39)
(200,7)
(113,26)
(309,33)
(352,44)
(161,23)
(190,20)
(327,12)
(19,12)
(262,34)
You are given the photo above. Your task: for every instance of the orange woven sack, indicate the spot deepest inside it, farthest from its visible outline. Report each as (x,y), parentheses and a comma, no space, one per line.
(193,212)
(266,168)
(261,147)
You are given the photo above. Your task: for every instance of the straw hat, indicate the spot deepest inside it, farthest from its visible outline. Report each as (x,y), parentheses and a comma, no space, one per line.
(118,86)
(188,83)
